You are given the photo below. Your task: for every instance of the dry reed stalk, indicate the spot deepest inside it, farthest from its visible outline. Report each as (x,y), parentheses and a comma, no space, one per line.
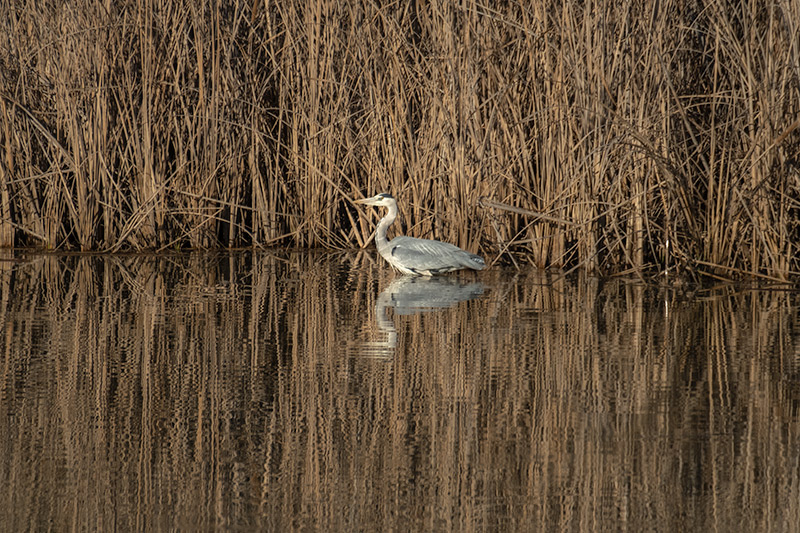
(151,124)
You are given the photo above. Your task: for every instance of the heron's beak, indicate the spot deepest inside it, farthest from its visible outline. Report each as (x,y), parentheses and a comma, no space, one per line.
(360,201)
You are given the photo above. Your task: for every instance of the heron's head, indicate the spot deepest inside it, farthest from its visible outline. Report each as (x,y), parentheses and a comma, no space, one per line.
(383,199)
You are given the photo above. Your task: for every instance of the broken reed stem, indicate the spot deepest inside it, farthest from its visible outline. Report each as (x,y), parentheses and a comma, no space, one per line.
(151,125)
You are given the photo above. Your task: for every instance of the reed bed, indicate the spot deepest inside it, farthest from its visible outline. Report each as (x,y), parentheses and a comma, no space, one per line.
(187,392)
(641,136)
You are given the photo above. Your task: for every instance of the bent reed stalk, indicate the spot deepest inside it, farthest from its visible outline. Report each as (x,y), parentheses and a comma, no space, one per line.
(665,135)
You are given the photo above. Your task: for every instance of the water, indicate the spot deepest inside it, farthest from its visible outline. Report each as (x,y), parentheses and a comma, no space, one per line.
(297,391)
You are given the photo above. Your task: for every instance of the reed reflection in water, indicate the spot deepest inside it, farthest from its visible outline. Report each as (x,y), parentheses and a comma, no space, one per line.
(243,392)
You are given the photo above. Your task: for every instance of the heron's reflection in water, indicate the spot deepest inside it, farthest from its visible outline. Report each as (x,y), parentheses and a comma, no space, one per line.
(409,295)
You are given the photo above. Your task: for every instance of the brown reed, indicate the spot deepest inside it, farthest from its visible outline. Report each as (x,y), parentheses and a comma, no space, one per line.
(666,133)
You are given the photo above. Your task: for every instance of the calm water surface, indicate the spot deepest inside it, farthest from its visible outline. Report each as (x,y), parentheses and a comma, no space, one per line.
(320,392)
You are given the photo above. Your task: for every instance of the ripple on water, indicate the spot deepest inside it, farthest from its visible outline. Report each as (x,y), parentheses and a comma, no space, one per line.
(275,390)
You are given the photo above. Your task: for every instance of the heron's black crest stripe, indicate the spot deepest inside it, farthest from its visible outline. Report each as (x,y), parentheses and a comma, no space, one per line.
(393,249)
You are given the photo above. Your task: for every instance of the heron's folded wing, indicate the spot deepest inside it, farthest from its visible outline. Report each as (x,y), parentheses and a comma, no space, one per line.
(433,256)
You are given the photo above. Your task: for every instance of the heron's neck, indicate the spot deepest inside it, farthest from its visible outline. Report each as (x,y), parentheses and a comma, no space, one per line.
(383,225)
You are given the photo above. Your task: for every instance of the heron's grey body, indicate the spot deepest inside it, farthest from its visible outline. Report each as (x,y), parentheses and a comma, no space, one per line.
(423,257)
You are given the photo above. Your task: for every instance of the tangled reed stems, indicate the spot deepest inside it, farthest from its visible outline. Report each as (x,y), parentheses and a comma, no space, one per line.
(660,135)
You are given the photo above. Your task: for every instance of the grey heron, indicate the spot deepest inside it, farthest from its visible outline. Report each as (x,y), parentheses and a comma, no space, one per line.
(410,255)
